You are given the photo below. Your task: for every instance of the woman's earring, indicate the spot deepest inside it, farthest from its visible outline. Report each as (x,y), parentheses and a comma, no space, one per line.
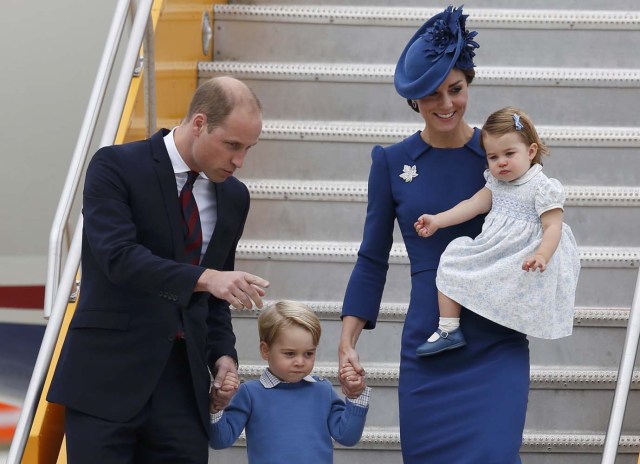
(414,105)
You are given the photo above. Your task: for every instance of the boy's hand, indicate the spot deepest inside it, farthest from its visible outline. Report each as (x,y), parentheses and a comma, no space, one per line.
(354,381)
(219,398)
(535,262)
(426,225)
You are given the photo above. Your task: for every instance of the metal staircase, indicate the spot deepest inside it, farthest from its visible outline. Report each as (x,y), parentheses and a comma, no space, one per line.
(324,74)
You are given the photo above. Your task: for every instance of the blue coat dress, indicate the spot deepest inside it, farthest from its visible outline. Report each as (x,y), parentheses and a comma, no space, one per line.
(462,406)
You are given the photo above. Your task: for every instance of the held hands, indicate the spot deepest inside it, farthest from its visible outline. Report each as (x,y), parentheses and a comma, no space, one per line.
(241,289)
(535,262)
(426,225)
(353,380)
(351,373)
(225,384)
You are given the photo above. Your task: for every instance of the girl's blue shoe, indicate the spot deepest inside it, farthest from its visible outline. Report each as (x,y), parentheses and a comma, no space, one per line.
(447,341)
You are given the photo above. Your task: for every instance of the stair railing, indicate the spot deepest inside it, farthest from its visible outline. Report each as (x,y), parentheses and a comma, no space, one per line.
(623,384)
(58,288)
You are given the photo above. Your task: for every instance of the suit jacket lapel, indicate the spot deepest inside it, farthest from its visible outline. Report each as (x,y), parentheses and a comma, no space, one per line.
(168,187)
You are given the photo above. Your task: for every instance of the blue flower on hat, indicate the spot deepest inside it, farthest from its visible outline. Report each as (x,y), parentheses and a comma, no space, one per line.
(442,38)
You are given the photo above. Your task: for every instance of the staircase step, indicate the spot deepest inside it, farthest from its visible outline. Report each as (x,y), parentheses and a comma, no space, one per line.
(369,91)
(341,151)
(538,4)
(542,378)
(397,312)
(282,208)
(382,446)
(555,400)
(549,37)
(372,132)
(604,327)
(607,279)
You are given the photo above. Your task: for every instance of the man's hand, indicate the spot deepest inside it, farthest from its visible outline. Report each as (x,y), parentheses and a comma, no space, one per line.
(225,384)
(241,289)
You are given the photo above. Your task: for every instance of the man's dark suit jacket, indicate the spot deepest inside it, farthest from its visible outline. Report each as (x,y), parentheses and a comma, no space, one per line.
(136,290)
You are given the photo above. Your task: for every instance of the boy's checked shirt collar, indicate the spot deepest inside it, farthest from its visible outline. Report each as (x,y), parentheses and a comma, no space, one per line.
(268,380)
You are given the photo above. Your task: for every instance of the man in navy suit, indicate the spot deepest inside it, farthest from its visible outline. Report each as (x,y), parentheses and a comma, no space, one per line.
(150,329)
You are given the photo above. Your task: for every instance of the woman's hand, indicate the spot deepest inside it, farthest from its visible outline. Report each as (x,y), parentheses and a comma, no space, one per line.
(350,377)
(348,358)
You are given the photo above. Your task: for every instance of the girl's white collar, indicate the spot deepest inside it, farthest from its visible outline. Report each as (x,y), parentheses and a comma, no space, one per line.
(527,176)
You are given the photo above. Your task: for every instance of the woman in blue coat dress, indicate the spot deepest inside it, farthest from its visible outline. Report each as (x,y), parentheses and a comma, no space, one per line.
(466,405)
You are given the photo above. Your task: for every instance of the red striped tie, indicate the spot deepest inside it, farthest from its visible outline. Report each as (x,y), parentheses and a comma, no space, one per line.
(191,221)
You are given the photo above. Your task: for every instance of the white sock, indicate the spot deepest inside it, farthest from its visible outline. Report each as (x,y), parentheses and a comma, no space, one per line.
(446,324)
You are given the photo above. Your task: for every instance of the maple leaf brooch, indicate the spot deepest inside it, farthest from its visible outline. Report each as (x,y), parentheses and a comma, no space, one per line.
(408,173)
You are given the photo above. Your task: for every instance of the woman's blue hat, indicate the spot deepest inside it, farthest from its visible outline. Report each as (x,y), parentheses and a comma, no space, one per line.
(441,44)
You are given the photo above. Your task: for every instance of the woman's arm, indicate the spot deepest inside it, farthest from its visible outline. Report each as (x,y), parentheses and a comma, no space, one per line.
(551,233)
(480,203)
(351,328)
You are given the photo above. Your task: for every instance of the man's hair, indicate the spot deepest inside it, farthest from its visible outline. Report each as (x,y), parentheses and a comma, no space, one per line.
(217,97)
(284,314)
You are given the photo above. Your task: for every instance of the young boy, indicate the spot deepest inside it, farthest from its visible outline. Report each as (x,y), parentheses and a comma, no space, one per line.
(289,415)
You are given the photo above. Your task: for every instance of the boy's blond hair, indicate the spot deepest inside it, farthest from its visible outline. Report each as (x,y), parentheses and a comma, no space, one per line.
(283,314)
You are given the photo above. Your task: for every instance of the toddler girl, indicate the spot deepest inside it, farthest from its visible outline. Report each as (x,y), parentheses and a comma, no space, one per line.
(524,231)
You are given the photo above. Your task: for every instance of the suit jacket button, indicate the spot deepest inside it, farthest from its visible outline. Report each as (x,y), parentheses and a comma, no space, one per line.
(171,337)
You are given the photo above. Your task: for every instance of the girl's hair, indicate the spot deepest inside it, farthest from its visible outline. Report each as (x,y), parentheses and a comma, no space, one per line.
(469,75)
(284,314)
(512,119)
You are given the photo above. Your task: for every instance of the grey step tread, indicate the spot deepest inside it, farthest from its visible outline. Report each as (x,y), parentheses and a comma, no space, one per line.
(374,132)
(388,438)
(542,378)
(354,191)
(539,4)
(323,251)
(603,331)
(551,36)
(608,276)
(383,73)
(555,398)
(607,155)
(388,132)
(342,93)
(350,161)
(415,17)
(397,312)
(281,209)
(341,150)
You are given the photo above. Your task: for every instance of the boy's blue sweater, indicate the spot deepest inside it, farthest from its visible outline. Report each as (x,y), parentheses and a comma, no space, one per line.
(291,422)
